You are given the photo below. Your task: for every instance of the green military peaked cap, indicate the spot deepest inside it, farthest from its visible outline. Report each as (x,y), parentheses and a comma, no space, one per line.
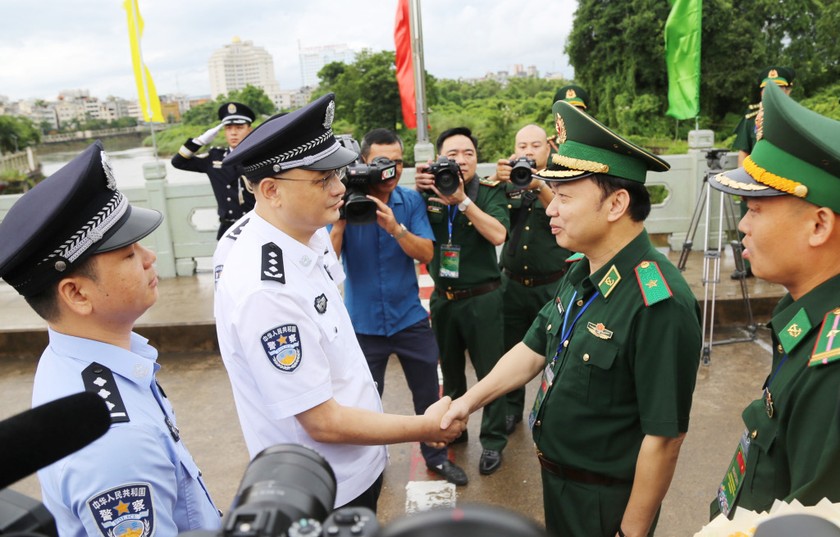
(585,147)
(781,76)
(797,153)
(572,94)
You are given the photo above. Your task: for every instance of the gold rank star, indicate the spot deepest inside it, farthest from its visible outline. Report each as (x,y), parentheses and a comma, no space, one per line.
(651,283)
(281,340)
(122,508)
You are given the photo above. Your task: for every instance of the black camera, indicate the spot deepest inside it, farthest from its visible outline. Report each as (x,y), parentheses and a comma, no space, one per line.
(521,170)
(447,175)
(357,208)
(289,490)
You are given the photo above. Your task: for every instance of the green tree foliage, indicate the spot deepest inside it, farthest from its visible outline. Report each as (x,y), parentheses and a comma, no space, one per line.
(617,50)
(16,133)
(207,114)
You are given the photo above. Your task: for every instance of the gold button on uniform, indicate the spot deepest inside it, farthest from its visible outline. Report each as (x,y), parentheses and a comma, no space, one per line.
(548,328)
(525,247)
(565,343)
(586,357)
(579,302)
(537,423)
(754,433)
(527,228)
(780,348)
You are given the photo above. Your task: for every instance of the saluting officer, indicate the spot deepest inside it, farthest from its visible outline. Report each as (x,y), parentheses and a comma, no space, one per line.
(297,371)
(232,196)
(618,347)
(466,304)
(745,131)
(69,246)
(532,262)
(790,449)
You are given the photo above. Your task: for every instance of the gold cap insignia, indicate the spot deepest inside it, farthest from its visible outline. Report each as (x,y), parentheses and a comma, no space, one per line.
(773,74)
(560,125)
(231,108)
(570,94)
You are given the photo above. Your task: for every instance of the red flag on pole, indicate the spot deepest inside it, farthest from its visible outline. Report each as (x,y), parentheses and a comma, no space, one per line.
(405,65)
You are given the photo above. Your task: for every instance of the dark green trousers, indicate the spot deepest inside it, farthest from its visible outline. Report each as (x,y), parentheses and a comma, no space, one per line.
(473,325)
(578,510)
(521,306)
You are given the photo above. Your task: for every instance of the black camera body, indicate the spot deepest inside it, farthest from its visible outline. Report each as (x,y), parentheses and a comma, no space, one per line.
(447,175)
(521,171)
(357,208)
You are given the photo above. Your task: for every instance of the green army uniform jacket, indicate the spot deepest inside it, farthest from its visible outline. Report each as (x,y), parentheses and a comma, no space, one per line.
(537,252)
(630,364)
(745,137)
(478,262)
(795,453)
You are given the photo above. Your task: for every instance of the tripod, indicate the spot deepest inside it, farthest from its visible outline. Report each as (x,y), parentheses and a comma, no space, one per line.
(712,258)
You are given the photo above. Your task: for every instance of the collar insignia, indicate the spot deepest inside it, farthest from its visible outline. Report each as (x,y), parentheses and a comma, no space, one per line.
(609,281)
(791,335)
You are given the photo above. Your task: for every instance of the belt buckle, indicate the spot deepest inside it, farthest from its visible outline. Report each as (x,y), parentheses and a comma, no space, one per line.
(450,295)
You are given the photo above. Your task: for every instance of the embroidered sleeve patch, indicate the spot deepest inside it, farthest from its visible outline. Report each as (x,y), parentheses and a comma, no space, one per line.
(282,347)
(124,510)
(652,283)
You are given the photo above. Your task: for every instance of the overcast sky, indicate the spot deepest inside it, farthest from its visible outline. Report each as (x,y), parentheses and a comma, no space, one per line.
(50,45)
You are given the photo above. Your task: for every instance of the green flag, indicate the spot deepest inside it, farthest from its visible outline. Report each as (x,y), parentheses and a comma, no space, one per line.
(682,56)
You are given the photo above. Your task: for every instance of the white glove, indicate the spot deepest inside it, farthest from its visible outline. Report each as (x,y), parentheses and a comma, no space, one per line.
(208,135)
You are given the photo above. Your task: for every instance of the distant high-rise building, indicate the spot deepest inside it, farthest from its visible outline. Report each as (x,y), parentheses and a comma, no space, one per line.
(240,63)
(312,59)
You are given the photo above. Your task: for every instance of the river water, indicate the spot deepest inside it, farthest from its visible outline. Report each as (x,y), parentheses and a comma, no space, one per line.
(127,166)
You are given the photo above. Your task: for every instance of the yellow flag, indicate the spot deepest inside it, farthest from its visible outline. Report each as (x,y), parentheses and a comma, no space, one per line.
(146,92)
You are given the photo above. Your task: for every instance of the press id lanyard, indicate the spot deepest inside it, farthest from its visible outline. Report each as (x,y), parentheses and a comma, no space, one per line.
(548,372)
(450,254)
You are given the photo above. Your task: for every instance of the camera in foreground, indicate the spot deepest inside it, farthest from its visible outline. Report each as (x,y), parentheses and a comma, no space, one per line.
(521,170)
(447,175)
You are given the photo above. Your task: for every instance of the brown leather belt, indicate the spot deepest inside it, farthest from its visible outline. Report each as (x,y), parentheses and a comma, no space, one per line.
(461,294)
(534,281)
(579,476)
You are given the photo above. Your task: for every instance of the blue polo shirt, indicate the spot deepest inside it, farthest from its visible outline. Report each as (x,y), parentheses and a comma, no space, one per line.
(381,291)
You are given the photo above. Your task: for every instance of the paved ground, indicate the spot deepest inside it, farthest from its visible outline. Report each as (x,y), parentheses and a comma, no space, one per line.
(195,380)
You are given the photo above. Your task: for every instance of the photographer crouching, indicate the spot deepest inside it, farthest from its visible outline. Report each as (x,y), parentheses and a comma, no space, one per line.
(381,291)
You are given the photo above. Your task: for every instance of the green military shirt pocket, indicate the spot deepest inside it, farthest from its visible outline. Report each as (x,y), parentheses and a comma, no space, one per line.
(592,362)
(763,481)
(436,214)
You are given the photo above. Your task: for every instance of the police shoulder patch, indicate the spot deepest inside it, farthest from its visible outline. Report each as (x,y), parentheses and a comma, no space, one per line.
(124,510)
(652,283)
(272,263)
(282,347)
(486,181)
(98,379)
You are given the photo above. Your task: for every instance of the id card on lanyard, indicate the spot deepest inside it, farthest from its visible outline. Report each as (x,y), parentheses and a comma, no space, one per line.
(450,254)
(549,373)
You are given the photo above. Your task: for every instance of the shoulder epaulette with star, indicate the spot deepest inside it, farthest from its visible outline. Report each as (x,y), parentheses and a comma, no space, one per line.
(272,263)
(99,379)
(486,181)
(575,257)
(827,347)
(652,283)
(752,111)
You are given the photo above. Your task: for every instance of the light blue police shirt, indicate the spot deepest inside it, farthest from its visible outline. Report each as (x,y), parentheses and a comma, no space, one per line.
(137,478)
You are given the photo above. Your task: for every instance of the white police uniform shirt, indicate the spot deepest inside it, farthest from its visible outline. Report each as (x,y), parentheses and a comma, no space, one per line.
(334,266)
(289,347)
(137,477)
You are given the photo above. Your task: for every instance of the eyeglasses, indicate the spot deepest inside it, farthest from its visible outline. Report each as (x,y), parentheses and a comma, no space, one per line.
(325,181)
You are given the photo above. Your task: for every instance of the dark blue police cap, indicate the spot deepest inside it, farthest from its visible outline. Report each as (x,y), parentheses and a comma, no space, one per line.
(66,218)
(236,114)
(301,139)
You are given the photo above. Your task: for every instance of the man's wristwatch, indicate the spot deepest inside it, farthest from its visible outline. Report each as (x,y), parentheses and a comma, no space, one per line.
(400,234)
(464,204)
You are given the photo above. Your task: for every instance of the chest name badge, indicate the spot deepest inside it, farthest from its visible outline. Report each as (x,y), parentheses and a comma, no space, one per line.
(282,347)
(124,510)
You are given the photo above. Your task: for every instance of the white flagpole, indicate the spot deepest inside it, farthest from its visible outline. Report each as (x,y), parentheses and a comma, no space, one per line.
(423,149)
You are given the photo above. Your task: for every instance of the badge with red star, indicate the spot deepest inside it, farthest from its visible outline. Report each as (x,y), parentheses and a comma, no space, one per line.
(124,510)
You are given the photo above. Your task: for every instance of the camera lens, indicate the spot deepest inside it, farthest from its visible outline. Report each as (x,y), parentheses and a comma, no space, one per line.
(520,174)
(469,519)
(283,484)
(358,209)
(446,181)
